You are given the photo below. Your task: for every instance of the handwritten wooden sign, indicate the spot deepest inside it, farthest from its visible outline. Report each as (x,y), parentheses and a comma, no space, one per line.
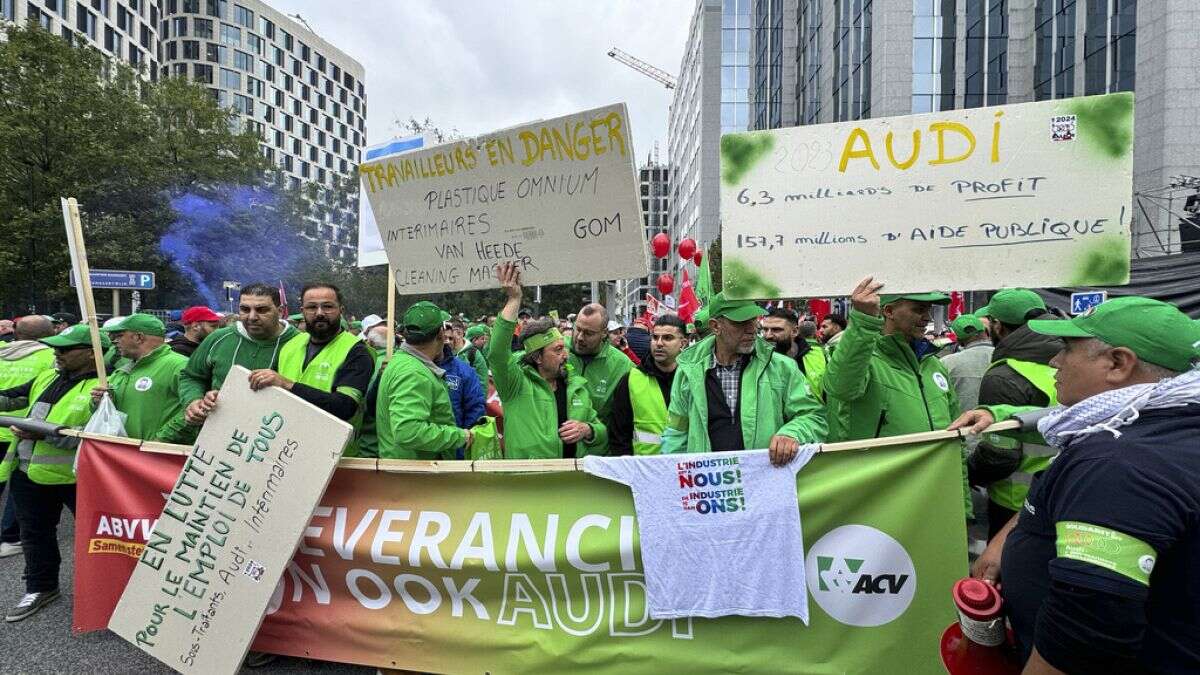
(229,528)
(557,197)
(1033,194)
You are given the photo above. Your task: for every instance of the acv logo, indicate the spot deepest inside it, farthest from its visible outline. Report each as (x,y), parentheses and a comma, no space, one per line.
(860,576)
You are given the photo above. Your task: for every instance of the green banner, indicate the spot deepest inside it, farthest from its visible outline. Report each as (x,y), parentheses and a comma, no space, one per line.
(504,573)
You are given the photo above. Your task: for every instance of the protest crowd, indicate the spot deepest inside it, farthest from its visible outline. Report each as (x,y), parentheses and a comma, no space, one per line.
(1109,401)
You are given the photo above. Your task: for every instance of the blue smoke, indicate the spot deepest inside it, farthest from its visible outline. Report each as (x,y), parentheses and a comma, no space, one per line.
(238,233)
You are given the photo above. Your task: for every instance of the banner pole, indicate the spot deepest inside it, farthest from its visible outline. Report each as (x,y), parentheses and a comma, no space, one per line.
(83,282)
(116,295)
(391,312)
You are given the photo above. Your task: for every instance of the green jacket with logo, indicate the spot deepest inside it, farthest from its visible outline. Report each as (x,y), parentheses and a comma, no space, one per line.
(477,360)
(602,373)
(210,363)
(147,391)
(775,401)
(530,411)
(20,362)
(413,416)
(50,460)
(876,387)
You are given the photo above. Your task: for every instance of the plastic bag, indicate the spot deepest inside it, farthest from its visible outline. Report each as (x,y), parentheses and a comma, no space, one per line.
(107,419)
(486,444)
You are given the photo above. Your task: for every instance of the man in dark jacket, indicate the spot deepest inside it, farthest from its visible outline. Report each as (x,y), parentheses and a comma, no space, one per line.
(642,396)
(1020,375)
(1099,572)
(197,322)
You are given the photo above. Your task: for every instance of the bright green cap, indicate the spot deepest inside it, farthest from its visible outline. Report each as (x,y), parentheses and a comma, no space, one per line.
(1011,305)
(138,323)
(298,316)
(475,331)
(424,317)
(356,324)
(734,310)
(966,325)
(75,336)
(933,297)
(1156,331)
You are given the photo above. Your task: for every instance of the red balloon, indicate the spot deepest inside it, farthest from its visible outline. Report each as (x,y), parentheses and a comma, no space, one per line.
(687,248)
(660,245)
(666,284)
(698,258)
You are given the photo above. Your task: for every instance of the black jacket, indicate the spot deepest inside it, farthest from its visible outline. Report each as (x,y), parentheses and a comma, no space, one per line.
(1002,384)
(182,345)
(620,430)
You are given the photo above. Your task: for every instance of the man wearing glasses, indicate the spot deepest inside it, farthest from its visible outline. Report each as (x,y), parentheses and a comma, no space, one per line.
(327,366)
(39,468)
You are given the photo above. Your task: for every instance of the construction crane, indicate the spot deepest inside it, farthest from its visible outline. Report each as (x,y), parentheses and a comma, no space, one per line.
(644,68)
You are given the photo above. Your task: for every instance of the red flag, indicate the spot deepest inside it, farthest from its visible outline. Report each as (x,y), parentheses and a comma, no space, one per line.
(819,308)
(689,304)
(957,305)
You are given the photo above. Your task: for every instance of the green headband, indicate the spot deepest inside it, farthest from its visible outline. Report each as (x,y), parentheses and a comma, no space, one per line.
(536,342)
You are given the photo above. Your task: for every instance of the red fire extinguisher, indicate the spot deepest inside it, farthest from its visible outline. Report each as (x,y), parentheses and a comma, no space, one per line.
(978,643)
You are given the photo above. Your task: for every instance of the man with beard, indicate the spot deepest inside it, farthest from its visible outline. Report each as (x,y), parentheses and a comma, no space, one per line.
(327,366)
(593,358)
(732,391)
(641,398)
(782,328)
(253,342)
(547,411)
(198,322)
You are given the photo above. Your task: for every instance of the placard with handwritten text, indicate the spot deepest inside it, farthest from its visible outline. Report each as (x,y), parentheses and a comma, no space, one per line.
(557,197)
(229,528)
(1033,194)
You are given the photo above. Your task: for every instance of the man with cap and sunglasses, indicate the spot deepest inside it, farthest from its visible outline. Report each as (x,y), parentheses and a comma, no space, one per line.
(733,391)
(1020,374)
(198,322)
(548,410)
(414,418)
(38,467)
(884,378)
(1099,571)
(145,384)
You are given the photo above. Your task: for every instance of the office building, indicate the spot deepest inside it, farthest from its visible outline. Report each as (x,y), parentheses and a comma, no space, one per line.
(817,61)
(711,98)
(654,188)
(301,95)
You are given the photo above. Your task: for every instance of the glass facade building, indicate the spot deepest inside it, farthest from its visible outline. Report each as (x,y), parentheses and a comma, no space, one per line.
(735,65)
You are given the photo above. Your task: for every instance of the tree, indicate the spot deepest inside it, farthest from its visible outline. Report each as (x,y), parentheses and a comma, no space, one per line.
(74,123)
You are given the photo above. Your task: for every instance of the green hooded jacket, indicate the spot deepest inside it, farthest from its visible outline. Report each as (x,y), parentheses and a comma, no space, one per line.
(474,357)
(775,401)
(875,386)
(602,373)
(413,416)
(147,391)
(210,363)
(530,412)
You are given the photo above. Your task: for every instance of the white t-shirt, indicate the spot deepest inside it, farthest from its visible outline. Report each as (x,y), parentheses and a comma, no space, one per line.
(720,532)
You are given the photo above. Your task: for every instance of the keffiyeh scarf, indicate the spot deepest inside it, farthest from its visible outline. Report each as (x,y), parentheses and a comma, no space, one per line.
(1118,408)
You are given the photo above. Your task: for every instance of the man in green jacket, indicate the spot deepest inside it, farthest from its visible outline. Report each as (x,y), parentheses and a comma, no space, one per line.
(253,342)
(884,378)
(593,358)
(20,361)
(472,350)
(733,391)
(413,416)
(548,413)
(145,386)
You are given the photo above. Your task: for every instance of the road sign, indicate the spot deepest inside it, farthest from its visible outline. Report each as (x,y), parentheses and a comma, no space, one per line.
(120,279)
(1082,302)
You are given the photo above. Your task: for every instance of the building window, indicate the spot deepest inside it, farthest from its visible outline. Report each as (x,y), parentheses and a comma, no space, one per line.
(1054,64)
(85,22)
(735,65)
(202,73)
(852,60)
(112,41)
(266,27)
(243,16)
(101,6)
(231,79)
(191,6)
(243,61)
(33,13)
(8,10)
(933,55)
(243,104)
(191,49)
(1108,46)
(214,53)
(215,8)
(254,43)
(203,28)
(231,35)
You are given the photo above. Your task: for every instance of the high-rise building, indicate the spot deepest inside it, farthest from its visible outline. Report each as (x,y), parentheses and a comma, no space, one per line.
(855,59)
(711,98)
(301,95)
(654,183)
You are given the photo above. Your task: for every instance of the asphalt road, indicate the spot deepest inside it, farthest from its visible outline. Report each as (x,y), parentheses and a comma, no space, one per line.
(43,643)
